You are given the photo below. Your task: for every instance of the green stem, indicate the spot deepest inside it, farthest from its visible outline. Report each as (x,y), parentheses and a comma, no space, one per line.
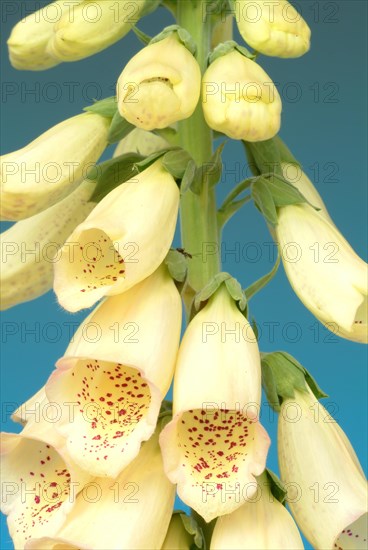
(198,213)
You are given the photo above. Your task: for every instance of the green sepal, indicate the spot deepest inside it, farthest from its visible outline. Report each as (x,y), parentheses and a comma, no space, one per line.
(168,133)
(142,36)
(277,487)
(255,287)
(263,157)
(227,47)
(119,128)
(106,107)
(112,173)
(282,375)
(263,200)
(272,192)
(192,527)
(146,162)
(176,162)
(183,36)
(177,265)
(188,177)
(210,172)
(286,155)
(232,285)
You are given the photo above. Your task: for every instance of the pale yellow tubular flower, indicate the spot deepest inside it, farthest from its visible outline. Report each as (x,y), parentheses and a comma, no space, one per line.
(29,38)
(263,523)
(37,488)
(160,85)
(93,27)
(324,271)
(272,28)
(123,240)
(29,249)
(215,444)
(49,168)
(177,537)
(240,100)
(327,487)
(117,369)
(141,142)
(131,512)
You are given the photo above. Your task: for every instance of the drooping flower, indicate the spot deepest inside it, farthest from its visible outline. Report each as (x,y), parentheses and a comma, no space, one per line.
(117,370)
(324,271)
(29,38)
(239,99)
(262,523)
(47,169)
(93,27)
(160,85)
(133,511)
(38,486)
(215,444)
(29,249)
(123,240)
(328,490)
(272,28)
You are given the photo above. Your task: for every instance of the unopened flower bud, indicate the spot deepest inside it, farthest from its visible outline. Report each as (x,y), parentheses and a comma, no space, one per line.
(272,28)
(160,85)
(240,100)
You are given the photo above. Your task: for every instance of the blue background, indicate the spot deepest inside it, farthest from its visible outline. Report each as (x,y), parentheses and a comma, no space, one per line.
(324,123)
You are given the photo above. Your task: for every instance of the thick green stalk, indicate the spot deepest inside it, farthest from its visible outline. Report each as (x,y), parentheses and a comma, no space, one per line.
(198,212)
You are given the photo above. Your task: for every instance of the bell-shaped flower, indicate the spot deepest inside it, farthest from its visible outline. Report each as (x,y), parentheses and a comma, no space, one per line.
(262,523)
(160,85)
(117,370)
(324,271)
(93,27)
(142,142)
(327,490)
(29,38)
(29,249)
(272,28)
(38,488)
(133,511)
(239,99)
(124,239)
(177,537)
(46,170)
(215,444)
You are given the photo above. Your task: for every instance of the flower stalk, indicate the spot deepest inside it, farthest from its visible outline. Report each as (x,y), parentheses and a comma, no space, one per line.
(198,212)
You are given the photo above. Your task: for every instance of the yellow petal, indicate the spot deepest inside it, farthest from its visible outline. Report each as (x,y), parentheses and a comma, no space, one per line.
(133,511)
(159,86)
(93,27)
(240,100)
(327,490)
(49,168)
(29,249)
(117,370)
(29,38)
(123,240)
(272,28)
(215,444)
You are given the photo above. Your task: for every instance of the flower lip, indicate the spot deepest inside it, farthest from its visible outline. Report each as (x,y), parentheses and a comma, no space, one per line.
(116,408)
(217,457)
(354,536)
